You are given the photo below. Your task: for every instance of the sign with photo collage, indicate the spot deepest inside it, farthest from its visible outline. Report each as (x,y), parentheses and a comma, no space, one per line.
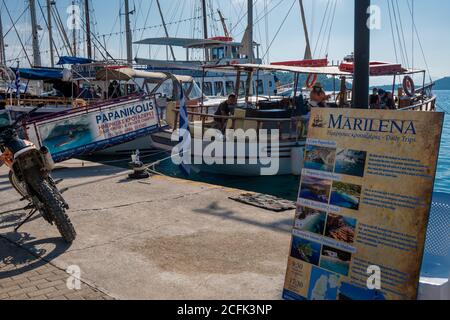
(363,205)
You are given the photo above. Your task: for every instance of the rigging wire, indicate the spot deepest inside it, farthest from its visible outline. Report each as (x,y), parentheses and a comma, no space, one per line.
(321,27)
(421,47)
(331,28)
(402,32)
(17,32)
(279,29)
(392,32)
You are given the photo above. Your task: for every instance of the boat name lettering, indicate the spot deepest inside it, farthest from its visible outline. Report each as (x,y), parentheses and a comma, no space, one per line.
(372,125)
(124,113)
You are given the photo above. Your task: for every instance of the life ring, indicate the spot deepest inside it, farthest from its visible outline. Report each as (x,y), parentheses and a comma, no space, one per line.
(311,80)
(408,86)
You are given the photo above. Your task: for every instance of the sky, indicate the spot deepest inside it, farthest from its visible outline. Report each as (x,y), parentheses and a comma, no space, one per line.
(277,27)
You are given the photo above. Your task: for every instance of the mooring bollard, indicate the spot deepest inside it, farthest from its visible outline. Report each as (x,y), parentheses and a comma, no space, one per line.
(139,169)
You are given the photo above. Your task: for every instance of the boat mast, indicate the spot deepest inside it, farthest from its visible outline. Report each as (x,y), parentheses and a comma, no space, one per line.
(251,57)
(74,31)
(35,35)
(205,27)
(165,28)
(50,32)
(308,55)
(361,55)
(88,29)
(128,33)
(224,24)
(2,44)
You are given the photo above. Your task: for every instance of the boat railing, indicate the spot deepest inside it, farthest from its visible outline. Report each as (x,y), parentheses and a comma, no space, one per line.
(293,128)
(425,105)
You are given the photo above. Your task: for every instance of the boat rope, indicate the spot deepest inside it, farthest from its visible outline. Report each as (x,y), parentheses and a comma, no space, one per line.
(17,32)
(402,32)
(325,17)
(46,24)
(279,29)
(392,32)
(421,46)
(331,28)
(145,25)
(17,20)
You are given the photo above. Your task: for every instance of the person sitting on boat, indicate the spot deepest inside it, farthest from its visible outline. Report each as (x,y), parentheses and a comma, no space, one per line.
(374,99)
(318,97)
(389,101)
(224,109)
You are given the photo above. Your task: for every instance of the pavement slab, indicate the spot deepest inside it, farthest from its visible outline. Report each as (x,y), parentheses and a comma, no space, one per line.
(159,238)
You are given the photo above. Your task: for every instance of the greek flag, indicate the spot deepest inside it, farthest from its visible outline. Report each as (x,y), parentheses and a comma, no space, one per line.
(184,136)
(17,83)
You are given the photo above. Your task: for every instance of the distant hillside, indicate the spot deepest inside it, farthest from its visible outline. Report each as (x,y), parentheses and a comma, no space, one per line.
(441,84)
(328,83)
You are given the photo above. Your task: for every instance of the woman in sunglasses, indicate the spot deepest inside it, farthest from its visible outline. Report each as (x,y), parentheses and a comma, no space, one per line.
(318,97)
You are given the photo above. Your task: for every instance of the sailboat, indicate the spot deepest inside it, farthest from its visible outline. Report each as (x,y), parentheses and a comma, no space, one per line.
(219,50)
(288,114)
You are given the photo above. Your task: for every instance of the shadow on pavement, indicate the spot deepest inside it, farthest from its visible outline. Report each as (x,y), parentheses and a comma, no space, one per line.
(282,225)
(20,253)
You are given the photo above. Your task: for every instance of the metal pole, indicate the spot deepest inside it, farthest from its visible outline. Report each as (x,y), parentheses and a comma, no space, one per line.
(362,55)
(165,28)
(88,28)
(50,32)
(205,27)
(251,57)
(74,32)
(128,33)
(308,55)
(2,44)
(35,35)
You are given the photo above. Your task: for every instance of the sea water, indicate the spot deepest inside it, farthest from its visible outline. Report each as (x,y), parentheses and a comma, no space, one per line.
(287,187)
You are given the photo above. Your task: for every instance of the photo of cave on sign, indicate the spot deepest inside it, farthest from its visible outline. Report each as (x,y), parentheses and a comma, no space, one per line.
(310,220)
(350,162)
(346,195)
(319,158)
(340,228)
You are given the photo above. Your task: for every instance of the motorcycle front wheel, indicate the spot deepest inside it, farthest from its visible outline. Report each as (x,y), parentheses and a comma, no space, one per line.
(55,209)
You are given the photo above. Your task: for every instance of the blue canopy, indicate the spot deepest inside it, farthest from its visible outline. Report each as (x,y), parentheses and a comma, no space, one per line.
(40,73)
(74,60)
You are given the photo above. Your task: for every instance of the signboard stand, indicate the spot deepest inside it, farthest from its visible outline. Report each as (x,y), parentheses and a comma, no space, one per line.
(363,205)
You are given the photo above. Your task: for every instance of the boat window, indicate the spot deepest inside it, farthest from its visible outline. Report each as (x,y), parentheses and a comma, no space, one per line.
(218,88)
(207,89)
(260,86)
(196,92)
(166,89)
(235,53)
(229,86)
(218,53)
(242,89)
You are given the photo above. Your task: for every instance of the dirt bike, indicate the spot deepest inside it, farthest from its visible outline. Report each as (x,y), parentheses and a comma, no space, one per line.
(30,176)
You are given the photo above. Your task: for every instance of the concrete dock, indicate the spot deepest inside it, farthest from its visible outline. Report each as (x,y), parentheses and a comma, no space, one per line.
(160,238)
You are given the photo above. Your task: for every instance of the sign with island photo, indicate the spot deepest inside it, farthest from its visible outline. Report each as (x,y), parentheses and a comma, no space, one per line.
(88,130)
(363,206)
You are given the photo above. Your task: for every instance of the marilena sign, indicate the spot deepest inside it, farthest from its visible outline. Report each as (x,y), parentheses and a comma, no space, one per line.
(363,205)
(372,125)
(124,113)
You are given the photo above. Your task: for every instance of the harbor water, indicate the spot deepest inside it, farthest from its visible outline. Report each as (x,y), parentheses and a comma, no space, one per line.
(287,186)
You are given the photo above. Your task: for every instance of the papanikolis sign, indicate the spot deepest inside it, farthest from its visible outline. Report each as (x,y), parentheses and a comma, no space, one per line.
(93,129)
(363,205)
